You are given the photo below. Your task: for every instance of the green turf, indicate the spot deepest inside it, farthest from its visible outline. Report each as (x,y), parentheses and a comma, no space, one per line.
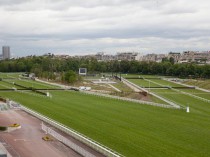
(32,83)
(197,92)
(8,85)
(143,83)
(139,75)
(166,83)
(184,100)
(132,129)
(9,75)
(199,83)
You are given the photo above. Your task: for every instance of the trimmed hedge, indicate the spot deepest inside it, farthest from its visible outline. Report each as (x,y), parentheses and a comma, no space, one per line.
(3,128)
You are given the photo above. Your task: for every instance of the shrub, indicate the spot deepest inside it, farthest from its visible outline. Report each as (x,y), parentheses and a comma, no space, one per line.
(47,138)
(3,128)
(15,125)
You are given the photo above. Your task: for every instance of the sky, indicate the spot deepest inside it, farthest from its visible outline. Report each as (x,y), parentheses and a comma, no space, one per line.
(79,27)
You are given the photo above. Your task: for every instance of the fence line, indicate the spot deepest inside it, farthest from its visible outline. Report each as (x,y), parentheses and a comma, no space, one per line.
(196,87)
(173,105)
(128,99)
(192,95)
(93,144)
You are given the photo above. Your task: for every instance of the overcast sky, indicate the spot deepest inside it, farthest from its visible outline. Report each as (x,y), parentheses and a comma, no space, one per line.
(72,27)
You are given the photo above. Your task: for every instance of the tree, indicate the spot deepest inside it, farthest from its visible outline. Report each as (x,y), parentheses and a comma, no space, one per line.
(171,60)
(70,77)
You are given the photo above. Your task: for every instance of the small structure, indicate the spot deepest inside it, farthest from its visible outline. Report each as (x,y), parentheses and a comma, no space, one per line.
(48,94)
(83,71)
(188,109)
(84,88)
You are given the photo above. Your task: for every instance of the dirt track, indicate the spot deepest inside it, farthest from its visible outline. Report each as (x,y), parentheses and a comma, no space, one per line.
(27,141)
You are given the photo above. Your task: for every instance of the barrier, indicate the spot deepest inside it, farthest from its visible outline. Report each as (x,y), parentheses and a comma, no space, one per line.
(128,99)
(194,96)
(173,105)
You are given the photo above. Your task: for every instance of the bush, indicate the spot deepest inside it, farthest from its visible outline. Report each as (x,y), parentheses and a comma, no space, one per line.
(15,125)
(3,128)
(47,138)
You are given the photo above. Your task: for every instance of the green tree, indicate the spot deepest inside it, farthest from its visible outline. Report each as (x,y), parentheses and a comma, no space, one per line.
(70,77)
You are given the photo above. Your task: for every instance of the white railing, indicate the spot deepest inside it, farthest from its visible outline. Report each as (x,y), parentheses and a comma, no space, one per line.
(66,141)
(173,105)
(93,144)
(128,99)
(192,95)
(196,87)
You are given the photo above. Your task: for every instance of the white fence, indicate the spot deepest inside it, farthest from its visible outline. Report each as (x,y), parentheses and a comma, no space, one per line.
(93,144)
(192,95)
(173,105)
(66,141)
(128,99)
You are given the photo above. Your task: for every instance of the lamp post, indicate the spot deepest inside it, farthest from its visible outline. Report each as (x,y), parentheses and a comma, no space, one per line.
(119,68)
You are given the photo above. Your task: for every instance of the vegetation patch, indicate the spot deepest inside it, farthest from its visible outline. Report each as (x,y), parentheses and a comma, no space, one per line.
(3,128)
(15,125)
(47,138)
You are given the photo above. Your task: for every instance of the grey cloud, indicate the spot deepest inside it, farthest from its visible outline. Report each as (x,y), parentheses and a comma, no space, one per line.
(12,2)
(96,25)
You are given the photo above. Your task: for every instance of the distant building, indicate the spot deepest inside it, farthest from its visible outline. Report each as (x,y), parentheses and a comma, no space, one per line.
(130,56)
(100,56)
(195,56)
(153,57)
(6,52)
(175,55)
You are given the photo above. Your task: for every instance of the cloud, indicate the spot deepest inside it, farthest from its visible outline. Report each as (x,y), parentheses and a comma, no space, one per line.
(96,25)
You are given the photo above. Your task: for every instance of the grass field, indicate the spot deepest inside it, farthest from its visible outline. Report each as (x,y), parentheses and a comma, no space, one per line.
(7,85)
(31,83)
(131,129)
(167,83)
(9,75)
(143,83)
(139,75)
(180,98)
(197,92)
(199,83)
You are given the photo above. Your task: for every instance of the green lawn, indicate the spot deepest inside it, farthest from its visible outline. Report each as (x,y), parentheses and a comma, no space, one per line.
(8,85)
(166,83)
(9,75)
(197,92)
(140,75)
(31,83)
(143,83)
(184,100)
(131,129)
(200,83)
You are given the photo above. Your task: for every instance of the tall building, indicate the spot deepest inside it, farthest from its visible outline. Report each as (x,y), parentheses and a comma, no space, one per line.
(6,52)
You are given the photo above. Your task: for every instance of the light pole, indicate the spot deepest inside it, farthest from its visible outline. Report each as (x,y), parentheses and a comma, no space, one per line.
(119,68)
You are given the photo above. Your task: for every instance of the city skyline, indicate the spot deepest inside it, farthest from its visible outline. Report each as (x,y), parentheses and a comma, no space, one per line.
(78,28)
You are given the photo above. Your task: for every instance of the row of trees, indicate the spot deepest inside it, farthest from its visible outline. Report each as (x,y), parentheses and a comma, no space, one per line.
(48,66)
